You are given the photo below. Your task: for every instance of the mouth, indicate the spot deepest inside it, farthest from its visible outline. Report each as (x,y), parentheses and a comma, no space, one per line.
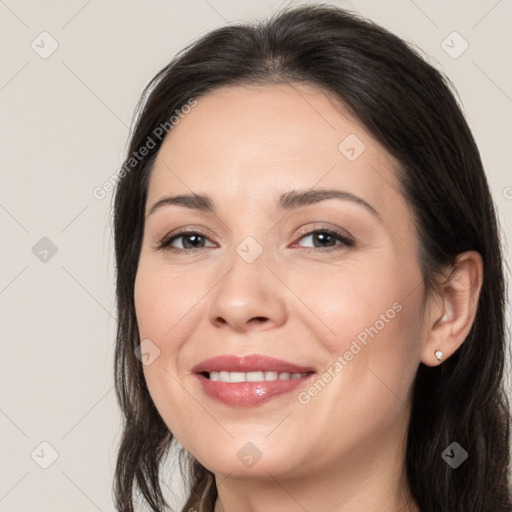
(249,381)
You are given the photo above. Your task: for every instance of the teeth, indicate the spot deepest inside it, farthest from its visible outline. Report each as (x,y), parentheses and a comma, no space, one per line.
(236,377)
(253,376)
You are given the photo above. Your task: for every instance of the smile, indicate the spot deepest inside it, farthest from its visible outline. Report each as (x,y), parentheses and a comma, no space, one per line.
(249,381)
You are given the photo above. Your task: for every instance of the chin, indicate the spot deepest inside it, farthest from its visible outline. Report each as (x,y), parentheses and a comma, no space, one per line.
(250,462)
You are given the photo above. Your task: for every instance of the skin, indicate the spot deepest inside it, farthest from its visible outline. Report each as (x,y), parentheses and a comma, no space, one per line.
(342,451)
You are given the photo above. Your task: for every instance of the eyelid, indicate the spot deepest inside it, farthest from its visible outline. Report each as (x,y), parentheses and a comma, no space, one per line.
(324,227)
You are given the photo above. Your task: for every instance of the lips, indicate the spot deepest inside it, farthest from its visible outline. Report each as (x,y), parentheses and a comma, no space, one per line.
(250,363)
(248,381)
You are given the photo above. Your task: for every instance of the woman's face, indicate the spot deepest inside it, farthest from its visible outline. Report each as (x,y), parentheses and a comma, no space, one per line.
(335,317)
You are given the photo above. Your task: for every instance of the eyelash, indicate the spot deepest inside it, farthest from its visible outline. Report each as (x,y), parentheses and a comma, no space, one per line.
(346,241)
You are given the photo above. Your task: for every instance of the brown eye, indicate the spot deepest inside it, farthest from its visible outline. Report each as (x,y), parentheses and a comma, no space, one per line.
(323,239)
(190,240)
(327,238)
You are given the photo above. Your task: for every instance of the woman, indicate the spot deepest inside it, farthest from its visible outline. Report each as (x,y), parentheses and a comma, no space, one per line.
(309,280)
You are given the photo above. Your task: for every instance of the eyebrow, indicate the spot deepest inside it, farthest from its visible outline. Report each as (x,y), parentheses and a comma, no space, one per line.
(287,201)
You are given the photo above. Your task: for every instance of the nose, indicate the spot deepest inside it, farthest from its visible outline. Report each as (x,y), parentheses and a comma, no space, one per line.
(249,296)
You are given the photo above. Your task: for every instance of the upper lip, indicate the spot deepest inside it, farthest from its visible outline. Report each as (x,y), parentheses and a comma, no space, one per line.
(248,363)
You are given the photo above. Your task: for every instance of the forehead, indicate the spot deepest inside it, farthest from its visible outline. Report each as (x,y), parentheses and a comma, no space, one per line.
(248,144)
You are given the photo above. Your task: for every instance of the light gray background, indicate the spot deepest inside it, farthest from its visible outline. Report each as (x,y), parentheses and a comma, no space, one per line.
(64,126)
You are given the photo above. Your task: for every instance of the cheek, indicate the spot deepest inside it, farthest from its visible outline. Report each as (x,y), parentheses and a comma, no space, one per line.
(355,300)
(395,352)
(156,315)
(366,384)
(374,359)
(367,321)
(154,309)
(164,300)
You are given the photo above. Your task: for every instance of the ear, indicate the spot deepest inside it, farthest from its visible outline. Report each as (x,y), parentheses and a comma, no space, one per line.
(452,311)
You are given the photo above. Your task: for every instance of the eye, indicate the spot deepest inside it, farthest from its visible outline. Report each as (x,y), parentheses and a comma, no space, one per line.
(327,238)
(191,238)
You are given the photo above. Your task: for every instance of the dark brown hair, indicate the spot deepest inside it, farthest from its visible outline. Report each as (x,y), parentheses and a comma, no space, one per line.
(407,105)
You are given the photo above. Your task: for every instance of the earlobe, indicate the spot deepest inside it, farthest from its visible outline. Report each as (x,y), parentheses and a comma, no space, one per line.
(453,312)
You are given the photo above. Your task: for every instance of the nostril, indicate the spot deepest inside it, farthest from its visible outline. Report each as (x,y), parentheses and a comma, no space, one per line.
(259,319)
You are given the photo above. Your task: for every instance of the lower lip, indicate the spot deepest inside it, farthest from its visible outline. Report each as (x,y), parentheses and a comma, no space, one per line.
(249,394)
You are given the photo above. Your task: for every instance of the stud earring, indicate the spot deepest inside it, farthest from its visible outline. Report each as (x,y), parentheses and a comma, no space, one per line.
(439,355)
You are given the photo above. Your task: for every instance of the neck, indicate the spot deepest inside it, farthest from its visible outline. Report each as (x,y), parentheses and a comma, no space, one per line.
(277,495)
(371,478)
